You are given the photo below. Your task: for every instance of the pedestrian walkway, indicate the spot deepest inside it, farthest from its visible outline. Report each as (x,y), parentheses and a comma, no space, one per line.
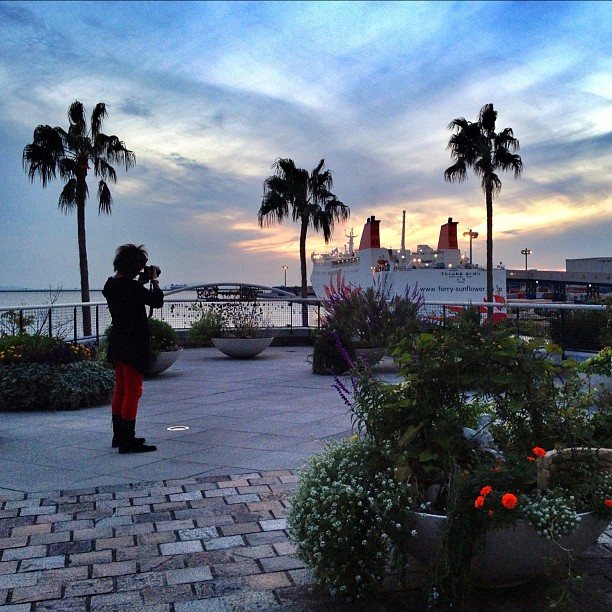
(200,523)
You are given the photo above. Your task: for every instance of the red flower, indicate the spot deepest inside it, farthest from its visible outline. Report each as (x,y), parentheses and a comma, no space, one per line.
(496,469)
(486,490)
(608,503)
(509,501)
(491,512)
(538,452)
(530,458)
(479,503)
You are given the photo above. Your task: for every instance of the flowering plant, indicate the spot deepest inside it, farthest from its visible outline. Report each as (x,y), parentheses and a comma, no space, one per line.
(25,348)
(470,428)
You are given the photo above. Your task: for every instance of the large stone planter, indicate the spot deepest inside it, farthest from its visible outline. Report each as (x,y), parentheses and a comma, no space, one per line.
(512,555)
(241,348)
(161,361)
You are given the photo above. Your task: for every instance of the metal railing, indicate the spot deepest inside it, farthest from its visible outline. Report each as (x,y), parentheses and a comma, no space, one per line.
(572,326)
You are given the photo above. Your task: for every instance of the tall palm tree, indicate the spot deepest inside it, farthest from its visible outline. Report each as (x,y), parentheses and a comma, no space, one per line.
(478,146)
(309,201)
(73,154)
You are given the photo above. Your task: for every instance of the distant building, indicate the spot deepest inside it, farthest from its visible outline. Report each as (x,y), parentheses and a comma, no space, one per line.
(603,265)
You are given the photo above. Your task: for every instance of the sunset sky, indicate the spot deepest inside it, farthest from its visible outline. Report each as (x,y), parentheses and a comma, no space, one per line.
(208,94)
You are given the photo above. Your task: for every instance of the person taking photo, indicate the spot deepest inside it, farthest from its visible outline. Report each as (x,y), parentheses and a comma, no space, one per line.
(129,342)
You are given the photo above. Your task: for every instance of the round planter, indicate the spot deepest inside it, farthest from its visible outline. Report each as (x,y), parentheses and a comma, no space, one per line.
(241,348)
(370,355)
(512,555)
(161,361)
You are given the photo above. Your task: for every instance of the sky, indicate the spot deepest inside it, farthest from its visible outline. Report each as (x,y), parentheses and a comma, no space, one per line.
(209,94)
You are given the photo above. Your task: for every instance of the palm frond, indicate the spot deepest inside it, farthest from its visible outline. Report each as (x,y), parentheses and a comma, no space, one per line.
(457,172)
(68,197)
(76,117)
(105,199)
(104,169)
(97,118)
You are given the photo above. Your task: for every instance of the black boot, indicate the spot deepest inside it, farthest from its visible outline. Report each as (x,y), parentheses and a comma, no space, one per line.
(117,431)
(128,443)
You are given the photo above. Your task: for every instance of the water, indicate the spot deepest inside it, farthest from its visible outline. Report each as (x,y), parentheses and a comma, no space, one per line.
(180,311)
(40,297)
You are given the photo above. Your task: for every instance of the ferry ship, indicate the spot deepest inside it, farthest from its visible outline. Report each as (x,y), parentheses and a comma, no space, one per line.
(442,274)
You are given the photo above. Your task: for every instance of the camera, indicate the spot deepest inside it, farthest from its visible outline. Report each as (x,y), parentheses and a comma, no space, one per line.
(147,273)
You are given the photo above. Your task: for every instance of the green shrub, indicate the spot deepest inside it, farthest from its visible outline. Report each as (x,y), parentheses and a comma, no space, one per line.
(40,386)
(162,334)
(25,348)
(209,325)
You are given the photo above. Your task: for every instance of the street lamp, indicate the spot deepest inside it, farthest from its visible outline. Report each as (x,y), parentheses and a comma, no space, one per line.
(472,235)
(285,268)
(526,253)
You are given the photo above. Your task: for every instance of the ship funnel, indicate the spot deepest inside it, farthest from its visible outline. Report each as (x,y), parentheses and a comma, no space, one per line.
(370,238)
(448,235)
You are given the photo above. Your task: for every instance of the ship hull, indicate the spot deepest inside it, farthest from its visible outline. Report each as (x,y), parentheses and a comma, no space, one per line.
(448,286)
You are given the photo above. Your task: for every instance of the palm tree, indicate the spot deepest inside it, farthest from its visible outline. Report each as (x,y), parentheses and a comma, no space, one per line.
(72,154)
(478,146)
(309,201)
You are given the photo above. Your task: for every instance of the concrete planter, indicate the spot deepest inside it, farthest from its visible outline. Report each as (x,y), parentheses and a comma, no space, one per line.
(512,555)
(370,355)
(241,348)
(161,361)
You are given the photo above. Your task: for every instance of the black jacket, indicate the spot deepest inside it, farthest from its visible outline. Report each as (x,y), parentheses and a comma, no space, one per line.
(129,340)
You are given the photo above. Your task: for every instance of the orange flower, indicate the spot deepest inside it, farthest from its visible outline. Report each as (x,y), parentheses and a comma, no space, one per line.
(486,490)
(608,503)
(509,501)
(538,452)
(530,458)
(479,503)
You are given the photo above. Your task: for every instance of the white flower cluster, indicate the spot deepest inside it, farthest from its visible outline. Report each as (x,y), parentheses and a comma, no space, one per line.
(344,514)
(553,516)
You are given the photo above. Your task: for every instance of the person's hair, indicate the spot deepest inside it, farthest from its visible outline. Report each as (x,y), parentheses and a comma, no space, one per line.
(130,259)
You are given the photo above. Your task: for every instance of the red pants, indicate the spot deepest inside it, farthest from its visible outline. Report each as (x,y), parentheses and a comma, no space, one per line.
(128,389)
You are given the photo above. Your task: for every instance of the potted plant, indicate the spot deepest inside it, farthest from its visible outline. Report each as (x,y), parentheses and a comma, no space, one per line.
(367,322)
(465,436)
(244,330)
(164,349)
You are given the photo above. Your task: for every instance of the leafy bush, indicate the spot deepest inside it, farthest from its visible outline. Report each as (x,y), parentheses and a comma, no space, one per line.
(344,514)
(24,348)
(39,386)
(209,325)
(163,336)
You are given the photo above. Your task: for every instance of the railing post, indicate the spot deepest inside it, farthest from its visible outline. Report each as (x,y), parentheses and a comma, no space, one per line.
(97,325)
(75,325)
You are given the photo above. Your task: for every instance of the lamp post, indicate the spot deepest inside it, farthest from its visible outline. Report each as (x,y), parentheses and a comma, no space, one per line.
(472,235)
(285,268)
(526,253)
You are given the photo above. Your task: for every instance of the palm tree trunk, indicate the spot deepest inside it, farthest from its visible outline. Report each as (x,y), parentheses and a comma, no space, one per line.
(303,231)
(489,198)
(83,267)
